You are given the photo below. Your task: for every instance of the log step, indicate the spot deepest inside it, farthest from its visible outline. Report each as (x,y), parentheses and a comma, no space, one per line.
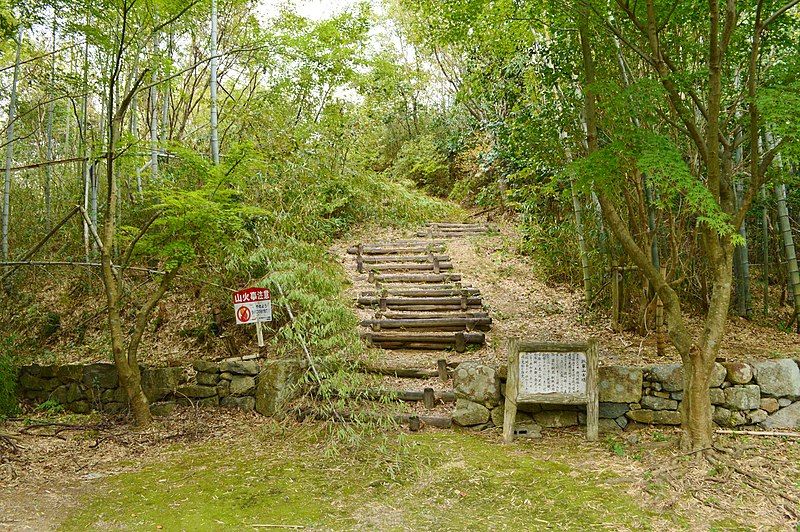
(435,324)
(395,302)
(426,257)
(451,234)
(445,396)
(397,248)
(457,225)
(401,266)
(458,341)
(406,373)
(443,370)
(424,315)
(411,292)
(402,242)
(414,278)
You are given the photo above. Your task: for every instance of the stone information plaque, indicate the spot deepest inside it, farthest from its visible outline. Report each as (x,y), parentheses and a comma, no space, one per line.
(551,373)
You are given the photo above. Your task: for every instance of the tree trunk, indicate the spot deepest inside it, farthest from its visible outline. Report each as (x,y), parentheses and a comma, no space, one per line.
(213,85)
(12,109)
(696,405)
(785,224)
(50,112)
(135,127)
(154,120)
(765,248)
(741,257)
(86,152)
(578,212)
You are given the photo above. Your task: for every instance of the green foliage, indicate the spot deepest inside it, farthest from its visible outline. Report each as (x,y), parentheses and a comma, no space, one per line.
(659,159)
(51,406)
(8,379)
(421,161)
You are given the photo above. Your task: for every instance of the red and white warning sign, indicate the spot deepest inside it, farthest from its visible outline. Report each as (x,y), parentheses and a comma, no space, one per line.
(252,305)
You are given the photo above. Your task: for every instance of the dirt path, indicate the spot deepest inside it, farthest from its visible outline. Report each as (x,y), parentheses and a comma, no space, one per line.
(522,305)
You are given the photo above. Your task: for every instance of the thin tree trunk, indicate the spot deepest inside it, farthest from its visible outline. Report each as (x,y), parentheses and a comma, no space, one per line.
(577,209)
(741,257)
(154,120)
(785,224)
(213,85)
(134,110)
(125,360)
(48,176)
(12,109)
(166,95)
(86,152)
(765,248)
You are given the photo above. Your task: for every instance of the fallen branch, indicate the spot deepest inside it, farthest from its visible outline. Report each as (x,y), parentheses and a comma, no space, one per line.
(759,433)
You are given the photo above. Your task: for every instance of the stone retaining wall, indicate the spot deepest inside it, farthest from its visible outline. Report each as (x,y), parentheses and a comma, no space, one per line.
(758,394)
(246,384)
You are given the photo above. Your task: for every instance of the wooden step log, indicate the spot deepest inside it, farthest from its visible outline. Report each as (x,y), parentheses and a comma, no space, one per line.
(456,225)
(401,242)
(458,341)
(417,292)
(394,303)
(397,251)
(393,249)
(413,277)
(425,257)
(430,324)
(443,370)
(451,234)
(412,315)
(406,373)
(427,307)
(435,266)
(411,396)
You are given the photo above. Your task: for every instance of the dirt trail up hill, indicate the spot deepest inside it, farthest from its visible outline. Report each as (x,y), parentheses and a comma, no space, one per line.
(421,295)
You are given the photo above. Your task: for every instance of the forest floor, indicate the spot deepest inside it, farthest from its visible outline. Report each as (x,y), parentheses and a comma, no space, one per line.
(522,305)
(218,470)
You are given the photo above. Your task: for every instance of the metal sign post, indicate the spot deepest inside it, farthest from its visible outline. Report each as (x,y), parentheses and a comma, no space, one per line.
(253,305)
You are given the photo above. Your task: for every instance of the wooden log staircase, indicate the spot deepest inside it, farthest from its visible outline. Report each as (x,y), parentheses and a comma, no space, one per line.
(420,304)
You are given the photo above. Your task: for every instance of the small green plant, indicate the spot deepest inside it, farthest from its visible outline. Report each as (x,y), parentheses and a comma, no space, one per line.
(616,447)
(51,406)
(659,436)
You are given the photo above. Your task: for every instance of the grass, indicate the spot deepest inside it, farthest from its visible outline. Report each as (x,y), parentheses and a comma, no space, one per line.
(435,480)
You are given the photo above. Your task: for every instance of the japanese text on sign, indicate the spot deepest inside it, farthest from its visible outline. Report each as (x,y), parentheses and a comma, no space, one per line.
(252,305)
(552,373)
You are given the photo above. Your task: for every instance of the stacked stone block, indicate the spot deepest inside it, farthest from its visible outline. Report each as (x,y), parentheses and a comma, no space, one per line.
(759,394)
(244,384)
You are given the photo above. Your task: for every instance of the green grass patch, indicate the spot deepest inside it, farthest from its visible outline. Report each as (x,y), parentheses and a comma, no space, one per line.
(445,481)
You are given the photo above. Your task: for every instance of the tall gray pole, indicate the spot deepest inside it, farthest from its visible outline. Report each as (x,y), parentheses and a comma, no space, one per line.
(213,83)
